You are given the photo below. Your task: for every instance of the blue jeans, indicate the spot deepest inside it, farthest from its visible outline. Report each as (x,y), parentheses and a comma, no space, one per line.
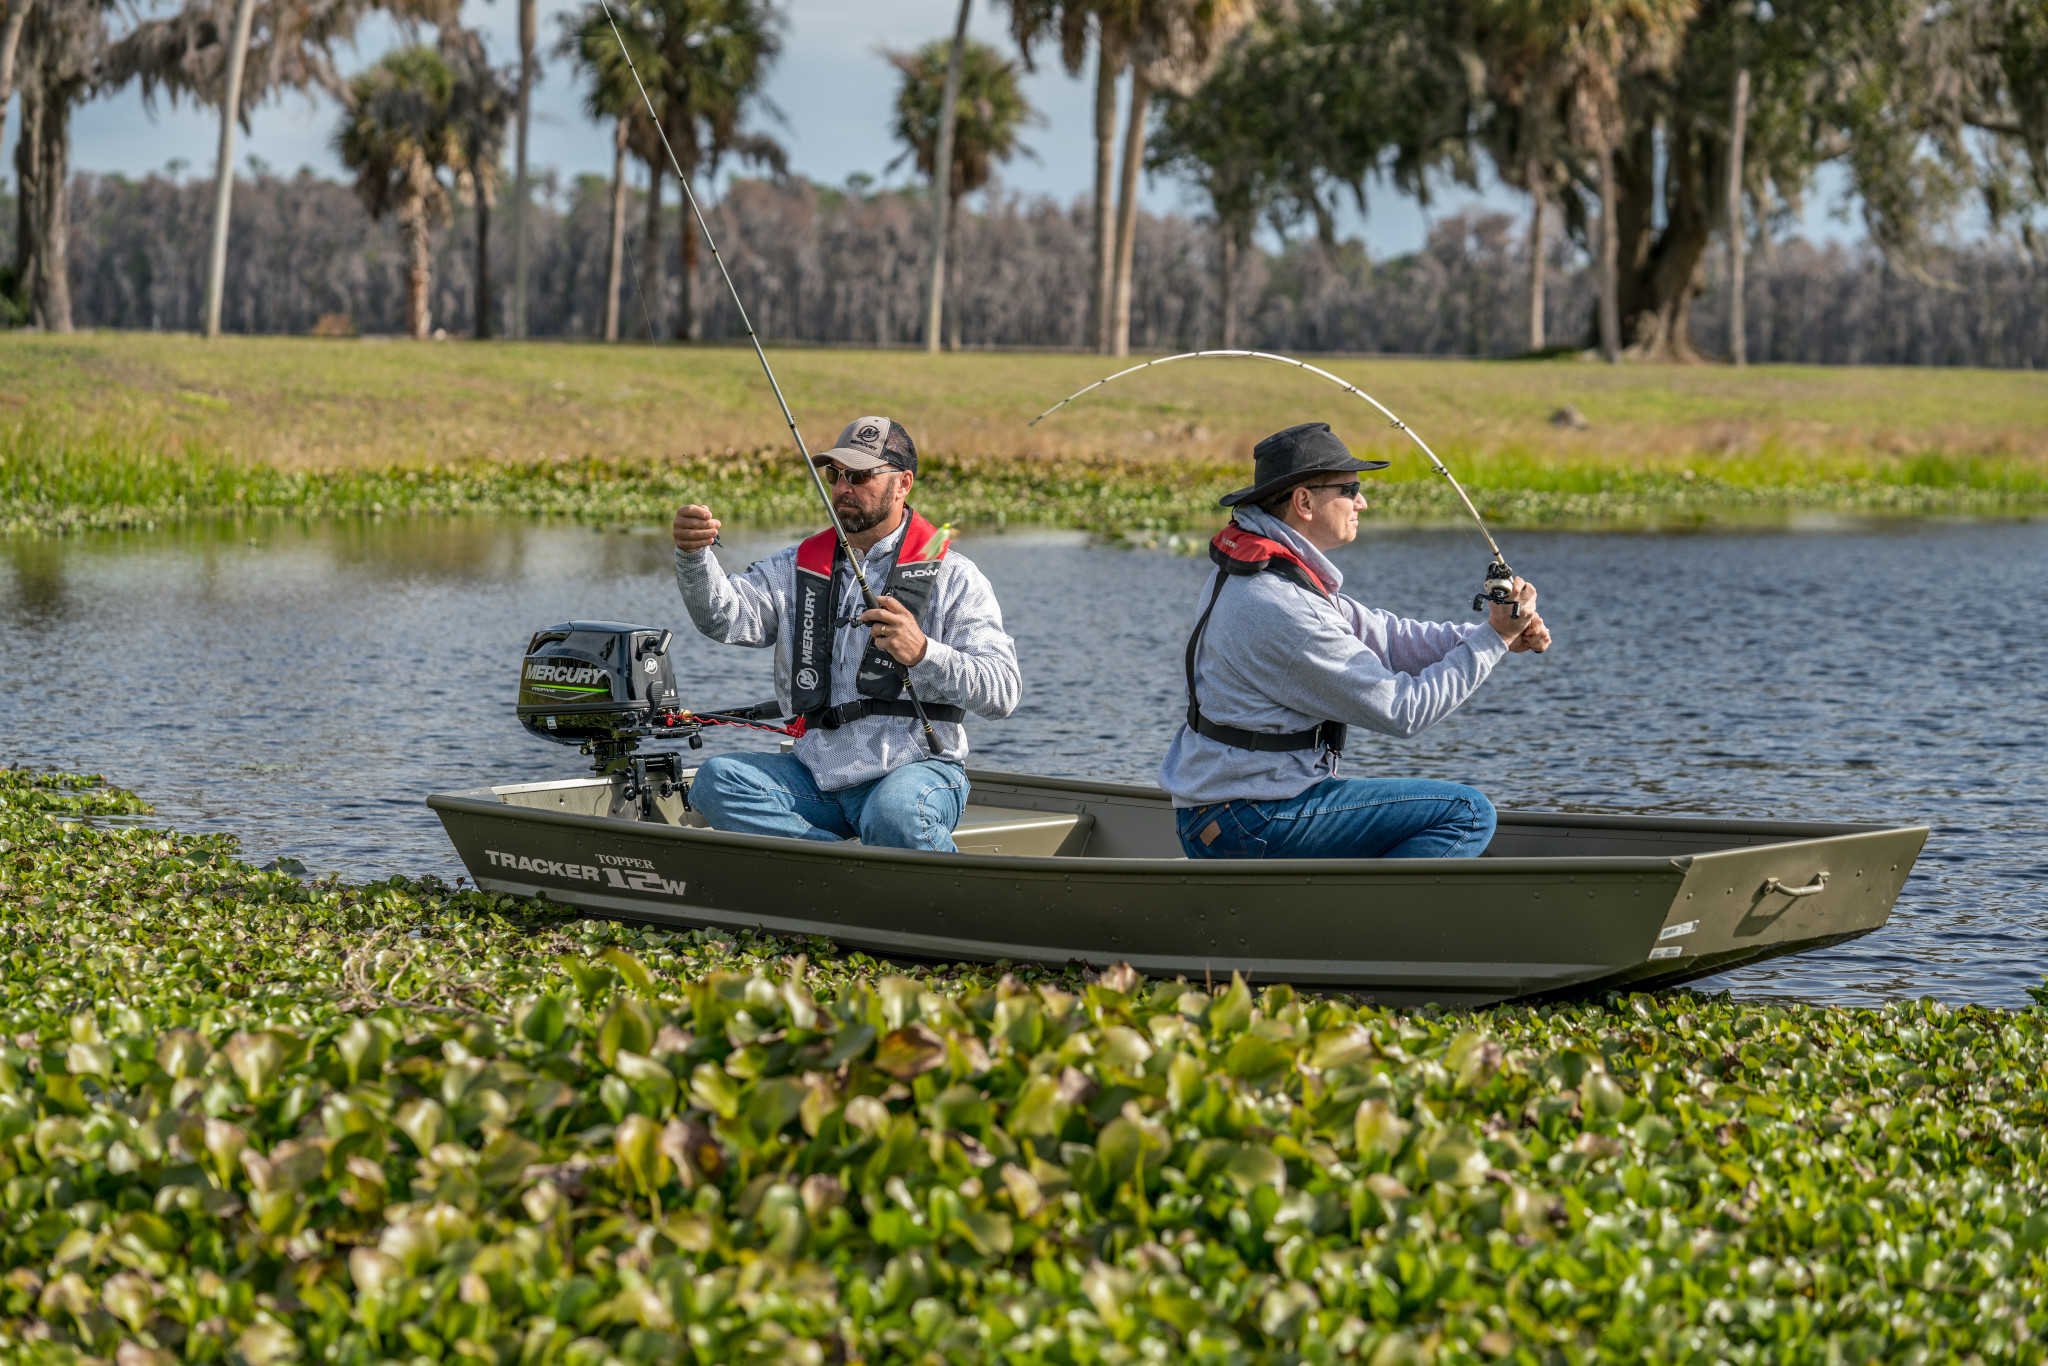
(913,807)
(1345,818)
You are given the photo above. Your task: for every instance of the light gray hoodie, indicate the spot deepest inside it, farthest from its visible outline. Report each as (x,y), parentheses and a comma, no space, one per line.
(1278,657)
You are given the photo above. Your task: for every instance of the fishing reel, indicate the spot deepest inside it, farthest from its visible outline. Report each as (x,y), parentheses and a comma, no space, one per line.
(1500,588)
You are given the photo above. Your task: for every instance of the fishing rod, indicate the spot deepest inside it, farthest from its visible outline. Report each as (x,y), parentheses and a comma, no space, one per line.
(1499,578)
(803,452)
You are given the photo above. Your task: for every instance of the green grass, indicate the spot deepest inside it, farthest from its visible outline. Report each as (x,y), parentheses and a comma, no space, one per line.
(246,1118)
(121,430)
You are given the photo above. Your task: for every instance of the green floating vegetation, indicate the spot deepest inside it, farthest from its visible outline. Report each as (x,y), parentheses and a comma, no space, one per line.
(53,481)
(245,1118)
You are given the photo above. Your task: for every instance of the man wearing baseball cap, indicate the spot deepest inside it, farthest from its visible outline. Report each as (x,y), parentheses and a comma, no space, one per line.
(1282,667)
(862,767)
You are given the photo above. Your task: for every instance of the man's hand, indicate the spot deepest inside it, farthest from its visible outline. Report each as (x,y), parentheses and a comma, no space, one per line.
(1535,637)
(895,630)
(1524,632)
(695,528)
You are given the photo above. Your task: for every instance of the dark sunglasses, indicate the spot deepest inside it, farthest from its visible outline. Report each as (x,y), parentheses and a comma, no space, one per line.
(1349,490)
(856,478)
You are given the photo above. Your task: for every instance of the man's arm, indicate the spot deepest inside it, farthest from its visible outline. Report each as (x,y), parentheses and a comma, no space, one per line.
(1409,646)
(735,609)
(1303,657)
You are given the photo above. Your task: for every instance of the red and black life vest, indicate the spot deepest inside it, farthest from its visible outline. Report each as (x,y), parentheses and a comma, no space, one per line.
(880,680)
(1238,553)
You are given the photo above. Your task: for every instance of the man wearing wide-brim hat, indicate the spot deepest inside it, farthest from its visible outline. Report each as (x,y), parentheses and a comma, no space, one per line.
(1283,670)
(862,767)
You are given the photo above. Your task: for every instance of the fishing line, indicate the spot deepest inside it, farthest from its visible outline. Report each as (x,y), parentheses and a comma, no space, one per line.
(1499,578)
(640,293)
(803,452)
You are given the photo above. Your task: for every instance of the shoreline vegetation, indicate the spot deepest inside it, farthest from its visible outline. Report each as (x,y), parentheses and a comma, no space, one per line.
(138,430)
(250,1116)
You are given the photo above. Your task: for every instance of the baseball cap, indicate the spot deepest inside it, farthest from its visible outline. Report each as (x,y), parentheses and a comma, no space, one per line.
(871,443)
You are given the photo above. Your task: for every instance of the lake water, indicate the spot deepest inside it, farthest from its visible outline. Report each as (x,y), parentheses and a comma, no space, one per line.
(304,686)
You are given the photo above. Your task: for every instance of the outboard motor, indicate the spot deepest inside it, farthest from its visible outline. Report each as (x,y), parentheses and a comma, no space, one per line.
(605,686)
(596,680)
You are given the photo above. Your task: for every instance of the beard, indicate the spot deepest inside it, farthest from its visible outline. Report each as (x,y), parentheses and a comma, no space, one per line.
(854,519)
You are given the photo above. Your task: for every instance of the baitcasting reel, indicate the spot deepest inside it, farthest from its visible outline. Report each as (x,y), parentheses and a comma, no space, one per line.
(1500,587)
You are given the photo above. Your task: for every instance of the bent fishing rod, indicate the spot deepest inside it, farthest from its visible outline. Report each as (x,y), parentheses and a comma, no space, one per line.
(1499,578)
(803,452)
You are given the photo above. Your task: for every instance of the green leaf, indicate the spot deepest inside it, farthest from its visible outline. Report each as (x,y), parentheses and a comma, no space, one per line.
(631,971)
(542,1019)
(591,981)
(423,1121)
(1232,1011)
(711,1088)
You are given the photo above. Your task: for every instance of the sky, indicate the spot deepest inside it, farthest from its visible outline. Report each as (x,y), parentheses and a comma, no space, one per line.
(832,86)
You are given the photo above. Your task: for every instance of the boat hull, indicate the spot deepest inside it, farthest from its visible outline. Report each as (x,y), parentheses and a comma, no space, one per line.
(1562,903)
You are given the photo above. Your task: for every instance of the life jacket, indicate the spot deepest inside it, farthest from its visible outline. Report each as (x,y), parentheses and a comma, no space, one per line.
(880,680)
(1239,553)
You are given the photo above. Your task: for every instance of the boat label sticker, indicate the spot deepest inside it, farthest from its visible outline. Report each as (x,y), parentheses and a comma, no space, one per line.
(1668,951)
(1673,931)
(633,879)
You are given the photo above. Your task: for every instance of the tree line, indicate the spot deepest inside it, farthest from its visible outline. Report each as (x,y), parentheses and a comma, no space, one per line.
(1642,132)
(848,266)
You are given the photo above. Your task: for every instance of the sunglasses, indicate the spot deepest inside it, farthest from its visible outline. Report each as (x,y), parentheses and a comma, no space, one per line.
(1349,490)
(856,478)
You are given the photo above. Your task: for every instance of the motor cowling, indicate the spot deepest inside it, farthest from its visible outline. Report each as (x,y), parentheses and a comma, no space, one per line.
(596,680)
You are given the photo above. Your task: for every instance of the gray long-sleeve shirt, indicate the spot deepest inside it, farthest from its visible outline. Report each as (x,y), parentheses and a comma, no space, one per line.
(1277,657)
(969,661)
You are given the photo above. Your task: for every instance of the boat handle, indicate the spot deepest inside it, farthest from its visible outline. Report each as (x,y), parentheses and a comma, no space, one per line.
(1814,888)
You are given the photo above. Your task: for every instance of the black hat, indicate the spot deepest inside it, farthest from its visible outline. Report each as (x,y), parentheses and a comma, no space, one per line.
(1287,458)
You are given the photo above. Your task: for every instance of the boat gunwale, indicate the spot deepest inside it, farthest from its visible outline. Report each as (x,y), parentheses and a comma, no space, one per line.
(485,802)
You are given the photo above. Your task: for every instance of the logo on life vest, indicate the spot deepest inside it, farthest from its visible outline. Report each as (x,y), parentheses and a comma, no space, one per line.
(807,678)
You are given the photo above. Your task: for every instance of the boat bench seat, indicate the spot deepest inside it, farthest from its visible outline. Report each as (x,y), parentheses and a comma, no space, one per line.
(1023,834)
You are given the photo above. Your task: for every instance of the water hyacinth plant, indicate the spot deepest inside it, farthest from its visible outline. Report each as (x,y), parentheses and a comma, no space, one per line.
(245,1117)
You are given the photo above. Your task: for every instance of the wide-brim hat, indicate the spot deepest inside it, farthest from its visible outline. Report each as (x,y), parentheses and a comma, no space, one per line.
(1287,458)
(861,446)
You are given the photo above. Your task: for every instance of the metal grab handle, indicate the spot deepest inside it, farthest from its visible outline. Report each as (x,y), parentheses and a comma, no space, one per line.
(1814,888)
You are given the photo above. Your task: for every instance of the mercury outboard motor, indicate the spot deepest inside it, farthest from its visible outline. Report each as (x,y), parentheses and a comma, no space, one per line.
(605,686)
(588,681)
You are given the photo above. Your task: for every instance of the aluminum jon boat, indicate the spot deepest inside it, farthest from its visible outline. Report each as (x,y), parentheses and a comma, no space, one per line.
(1054,870)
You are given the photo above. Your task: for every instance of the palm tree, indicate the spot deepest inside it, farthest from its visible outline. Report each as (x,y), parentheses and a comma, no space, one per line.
(587,38)
(703,63)
(396,136)
(1075,23)
(1173,44)
(942,206)
(529,72)
(991,109)
(233,54)
(480,105)
(1557,65)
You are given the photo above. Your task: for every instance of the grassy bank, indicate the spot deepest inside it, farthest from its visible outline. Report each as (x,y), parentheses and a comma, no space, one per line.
(121,430)
(246,1118)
